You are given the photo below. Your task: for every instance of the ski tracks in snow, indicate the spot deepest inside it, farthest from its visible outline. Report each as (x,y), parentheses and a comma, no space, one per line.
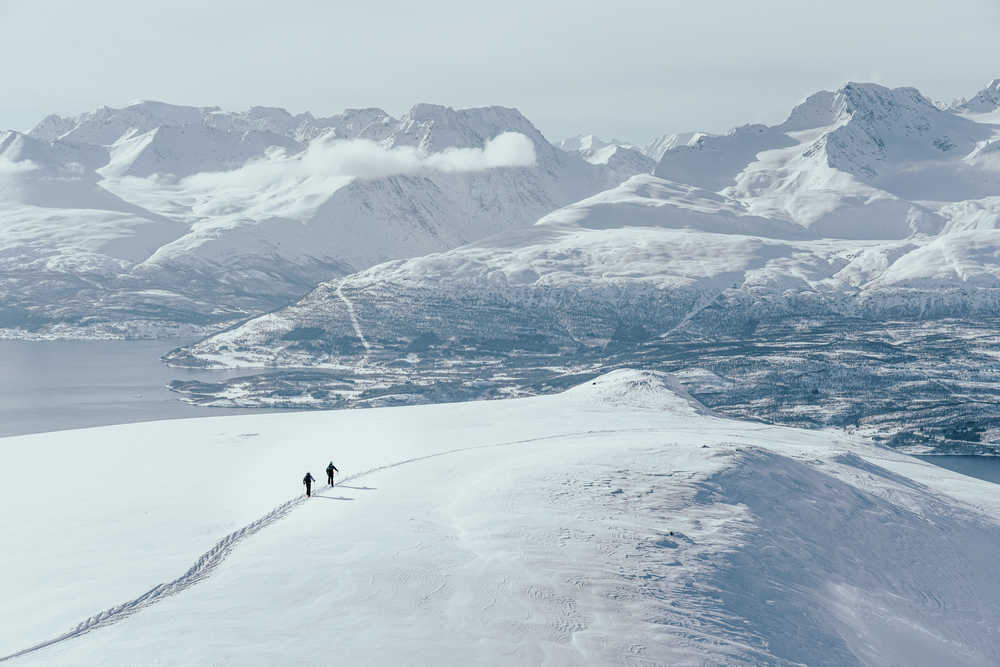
(355,323)
(212,558)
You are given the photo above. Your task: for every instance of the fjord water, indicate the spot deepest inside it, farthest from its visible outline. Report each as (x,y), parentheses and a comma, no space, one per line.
(980,467)
(55,385)
(63,384)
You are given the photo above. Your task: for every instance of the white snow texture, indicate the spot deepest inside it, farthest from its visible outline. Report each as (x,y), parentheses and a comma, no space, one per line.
(617,523)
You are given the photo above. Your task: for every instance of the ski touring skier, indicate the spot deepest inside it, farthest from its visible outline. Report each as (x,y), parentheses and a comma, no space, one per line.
(330,470)
(308,481)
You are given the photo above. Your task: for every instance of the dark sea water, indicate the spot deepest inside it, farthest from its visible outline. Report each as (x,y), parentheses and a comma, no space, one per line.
(54,385)
(980,467)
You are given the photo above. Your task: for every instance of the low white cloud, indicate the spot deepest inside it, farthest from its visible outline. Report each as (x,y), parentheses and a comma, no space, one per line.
(302,180)
(8,166)
(510,149)
(361,158)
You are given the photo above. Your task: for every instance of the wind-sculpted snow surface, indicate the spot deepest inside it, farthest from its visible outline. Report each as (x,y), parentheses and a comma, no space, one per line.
(650,532)
(226,215)
(211,559)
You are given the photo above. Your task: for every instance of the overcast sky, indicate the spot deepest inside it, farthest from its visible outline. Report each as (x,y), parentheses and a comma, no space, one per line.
(618,68)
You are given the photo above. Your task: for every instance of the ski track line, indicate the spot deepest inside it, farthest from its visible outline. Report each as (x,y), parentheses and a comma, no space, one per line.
(355,323)
(212,558)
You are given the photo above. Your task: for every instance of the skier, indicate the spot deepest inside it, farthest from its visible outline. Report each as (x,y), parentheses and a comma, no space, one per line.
(330,469)
(308,481)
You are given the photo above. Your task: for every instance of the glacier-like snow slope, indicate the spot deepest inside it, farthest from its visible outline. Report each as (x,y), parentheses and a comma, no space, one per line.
(616,523)
(130,221)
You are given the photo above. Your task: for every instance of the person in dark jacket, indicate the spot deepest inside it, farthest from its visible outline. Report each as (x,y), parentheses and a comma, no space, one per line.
(330,470)
(308,481)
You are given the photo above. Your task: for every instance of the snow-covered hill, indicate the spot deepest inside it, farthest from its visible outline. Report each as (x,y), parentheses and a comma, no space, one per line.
(616,523)
(249,210)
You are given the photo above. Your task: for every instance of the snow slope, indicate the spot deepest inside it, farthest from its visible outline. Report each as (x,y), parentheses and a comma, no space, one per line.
(616,523)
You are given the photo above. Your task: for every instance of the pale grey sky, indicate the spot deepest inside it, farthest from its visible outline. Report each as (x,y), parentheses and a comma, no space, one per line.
(623,68)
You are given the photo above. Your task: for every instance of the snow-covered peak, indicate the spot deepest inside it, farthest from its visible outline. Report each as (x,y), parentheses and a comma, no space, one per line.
(623,159)
(589,144)
(52,127)
(648,390)
(366,123)
(713,161)
(647,201)
(880,108)
(657,147)
(881,131)
(817,110)
(434,128)
(582,143)
(267,119)
(16,147)
(107,125)
(854,163)
(186,150)
(986,100)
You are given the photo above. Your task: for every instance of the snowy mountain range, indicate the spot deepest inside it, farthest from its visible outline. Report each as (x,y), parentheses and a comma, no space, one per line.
(866,207)
(764,223)
(512,260)
(132,221)
(140,220)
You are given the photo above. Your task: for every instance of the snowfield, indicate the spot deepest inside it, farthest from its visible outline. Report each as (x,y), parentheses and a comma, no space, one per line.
(619,522)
